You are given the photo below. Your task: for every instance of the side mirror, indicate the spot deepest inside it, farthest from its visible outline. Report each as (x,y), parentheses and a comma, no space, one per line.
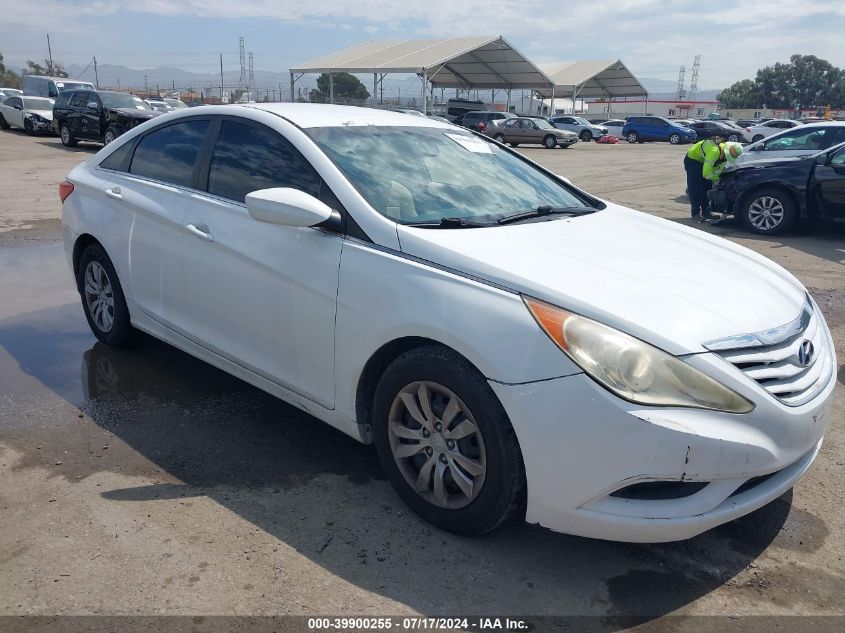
(287,207)
(92,105)
(758,148)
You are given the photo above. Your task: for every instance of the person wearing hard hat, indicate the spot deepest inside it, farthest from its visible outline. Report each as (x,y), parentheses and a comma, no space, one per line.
(703,163)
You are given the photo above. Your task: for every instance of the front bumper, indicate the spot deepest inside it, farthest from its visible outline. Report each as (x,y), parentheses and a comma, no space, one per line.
(581,444)
(41,125)
(567,141)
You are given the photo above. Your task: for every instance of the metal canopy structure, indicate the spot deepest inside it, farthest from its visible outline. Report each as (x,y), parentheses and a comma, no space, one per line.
(602,78)
(466,63)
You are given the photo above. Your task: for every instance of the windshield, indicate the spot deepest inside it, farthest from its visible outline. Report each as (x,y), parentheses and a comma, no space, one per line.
(418,175)
(123,100)
(70,85)
(581,120)
(37,103)
(543,124)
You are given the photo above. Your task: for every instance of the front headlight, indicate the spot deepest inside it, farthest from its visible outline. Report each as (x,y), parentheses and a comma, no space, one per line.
(631,368)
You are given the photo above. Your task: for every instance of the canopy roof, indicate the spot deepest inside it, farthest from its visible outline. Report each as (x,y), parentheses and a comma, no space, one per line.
(457,62)
(592,78)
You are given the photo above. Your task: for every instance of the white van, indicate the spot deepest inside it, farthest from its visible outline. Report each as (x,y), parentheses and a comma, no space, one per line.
(38,86)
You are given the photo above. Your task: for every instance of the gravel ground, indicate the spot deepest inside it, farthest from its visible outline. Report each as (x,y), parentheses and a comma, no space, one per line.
(146,482)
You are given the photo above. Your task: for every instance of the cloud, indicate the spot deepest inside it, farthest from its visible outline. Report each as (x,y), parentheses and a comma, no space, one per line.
(652,36)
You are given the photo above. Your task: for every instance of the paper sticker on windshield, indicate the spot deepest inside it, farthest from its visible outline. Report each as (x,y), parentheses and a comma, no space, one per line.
(472,143)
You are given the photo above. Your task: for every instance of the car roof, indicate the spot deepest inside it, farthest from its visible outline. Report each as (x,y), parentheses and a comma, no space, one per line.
(309,115)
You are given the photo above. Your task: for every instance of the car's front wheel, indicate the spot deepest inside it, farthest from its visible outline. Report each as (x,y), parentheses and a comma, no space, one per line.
(734,138)
(102,298)
(550,142)
(110,135)
(67,139)
(769,211)
(27,127)
(757,137)
(446,443)
(675,139)
(500,138)
(586,136)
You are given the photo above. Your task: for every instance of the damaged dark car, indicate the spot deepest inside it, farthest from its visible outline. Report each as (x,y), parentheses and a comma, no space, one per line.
(97,115)
(770,196)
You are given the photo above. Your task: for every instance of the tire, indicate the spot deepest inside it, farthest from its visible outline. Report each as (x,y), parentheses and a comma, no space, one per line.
(514,144)
(768,211)
(489,465)
(757,137)
(110,135)
(675,139)
(499,138)
(27,128)
(550,142)
(67,139)
(586,136)
(734,138)
(3,123)
(632,137)
(97,282)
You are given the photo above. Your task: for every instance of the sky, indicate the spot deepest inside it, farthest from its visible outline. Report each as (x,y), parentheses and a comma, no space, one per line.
(653,38)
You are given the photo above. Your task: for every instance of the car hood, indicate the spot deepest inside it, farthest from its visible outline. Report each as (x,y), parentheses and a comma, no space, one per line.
(44,114)
(134,113)
(562,132)
(748,160)
(673,286)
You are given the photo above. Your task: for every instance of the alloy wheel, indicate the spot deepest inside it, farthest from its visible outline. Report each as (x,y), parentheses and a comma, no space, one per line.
(108,138)
(65,135)
(437,444)
(765,213)
(99,296)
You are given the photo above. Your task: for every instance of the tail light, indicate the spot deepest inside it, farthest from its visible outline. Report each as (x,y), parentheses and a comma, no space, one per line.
(65,189)
(481,127)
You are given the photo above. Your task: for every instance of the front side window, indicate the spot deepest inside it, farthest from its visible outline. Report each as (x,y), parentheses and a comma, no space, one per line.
(801,139)
(420,175)
(14,102)
(838,157)
(78,99)
(248,158)
(170,153)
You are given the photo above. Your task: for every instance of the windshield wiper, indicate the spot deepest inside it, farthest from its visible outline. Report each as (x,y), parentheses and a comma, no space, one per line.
(450,223)
(545,209)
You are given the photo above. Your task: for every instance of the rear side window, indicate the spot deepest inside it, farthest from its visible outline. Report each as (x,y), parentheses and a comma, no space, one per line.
(117,158)
(248,158)
(170,153)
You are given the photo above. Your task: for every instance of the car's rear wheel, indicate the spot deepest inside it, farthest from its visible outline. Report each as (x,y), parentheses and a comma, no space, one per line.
(633,137)
(446,443)
(550,142)
(102,298)
(734,138)
(586,136)
(110,135)
(67,139)
(675,139)
(500,138)
(757,137)
(3,123)
(769,211)
(514,144)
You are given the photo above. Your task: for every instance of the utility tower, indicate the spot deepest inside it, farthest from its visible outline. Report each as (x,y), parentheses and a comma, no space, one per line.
(242,81)
(251,78)
(693,85)
(681,92)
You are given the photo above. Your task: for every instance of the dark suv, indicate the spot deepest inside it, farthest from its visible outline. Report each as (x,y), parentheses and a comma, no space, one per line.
(97,115)
(474,120)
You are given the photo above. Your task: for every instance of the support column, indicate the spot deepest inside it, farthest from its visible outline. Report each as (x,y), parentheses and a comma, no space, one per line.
(508,106)
(292,97)
(375,88)
(424,92)
(331,87)
(552,103)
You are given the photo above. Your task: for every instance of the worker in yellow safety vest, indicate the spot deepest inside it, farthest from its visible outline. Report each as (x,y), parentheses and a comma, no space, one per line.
(703,163)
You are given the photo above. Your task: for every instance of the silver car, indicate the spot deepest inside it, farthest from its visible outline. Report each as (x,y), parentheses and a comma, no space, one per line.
(585,130)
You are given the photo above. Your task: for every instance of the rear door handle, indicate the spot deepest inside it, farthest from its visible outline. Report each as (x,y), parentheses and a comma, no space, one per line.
(114,192)
(200,231)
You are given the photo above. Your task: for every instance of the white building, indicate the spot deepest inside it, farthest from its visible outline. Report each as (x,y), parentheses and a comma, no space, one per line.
(676,108)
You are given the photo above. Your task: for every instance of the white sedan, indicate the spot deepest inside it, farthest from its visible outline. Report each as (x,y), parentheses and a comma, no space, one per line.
(34,115)
(614,127)
(514,346)
(768,128)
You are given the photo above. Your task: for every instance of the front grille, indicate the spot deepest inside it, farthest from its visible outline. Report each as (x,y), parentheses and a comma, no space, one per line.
(772,358)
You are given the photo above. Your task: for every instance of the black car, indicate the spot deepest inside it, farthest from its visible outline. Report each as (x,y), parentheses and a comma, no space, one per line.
(478,119)
(97,115)
(709,129)
(769,195)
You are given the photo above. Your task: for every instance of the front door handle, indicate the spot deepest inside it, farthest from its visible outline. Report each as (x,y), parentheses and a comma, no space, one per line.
(200,231)
(114,192)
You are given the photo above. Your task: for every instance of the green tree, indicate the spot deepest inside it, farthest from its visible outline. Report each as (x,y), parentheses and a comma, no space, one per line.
(8,78)
(346,86)
(742,94)
(51,69)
